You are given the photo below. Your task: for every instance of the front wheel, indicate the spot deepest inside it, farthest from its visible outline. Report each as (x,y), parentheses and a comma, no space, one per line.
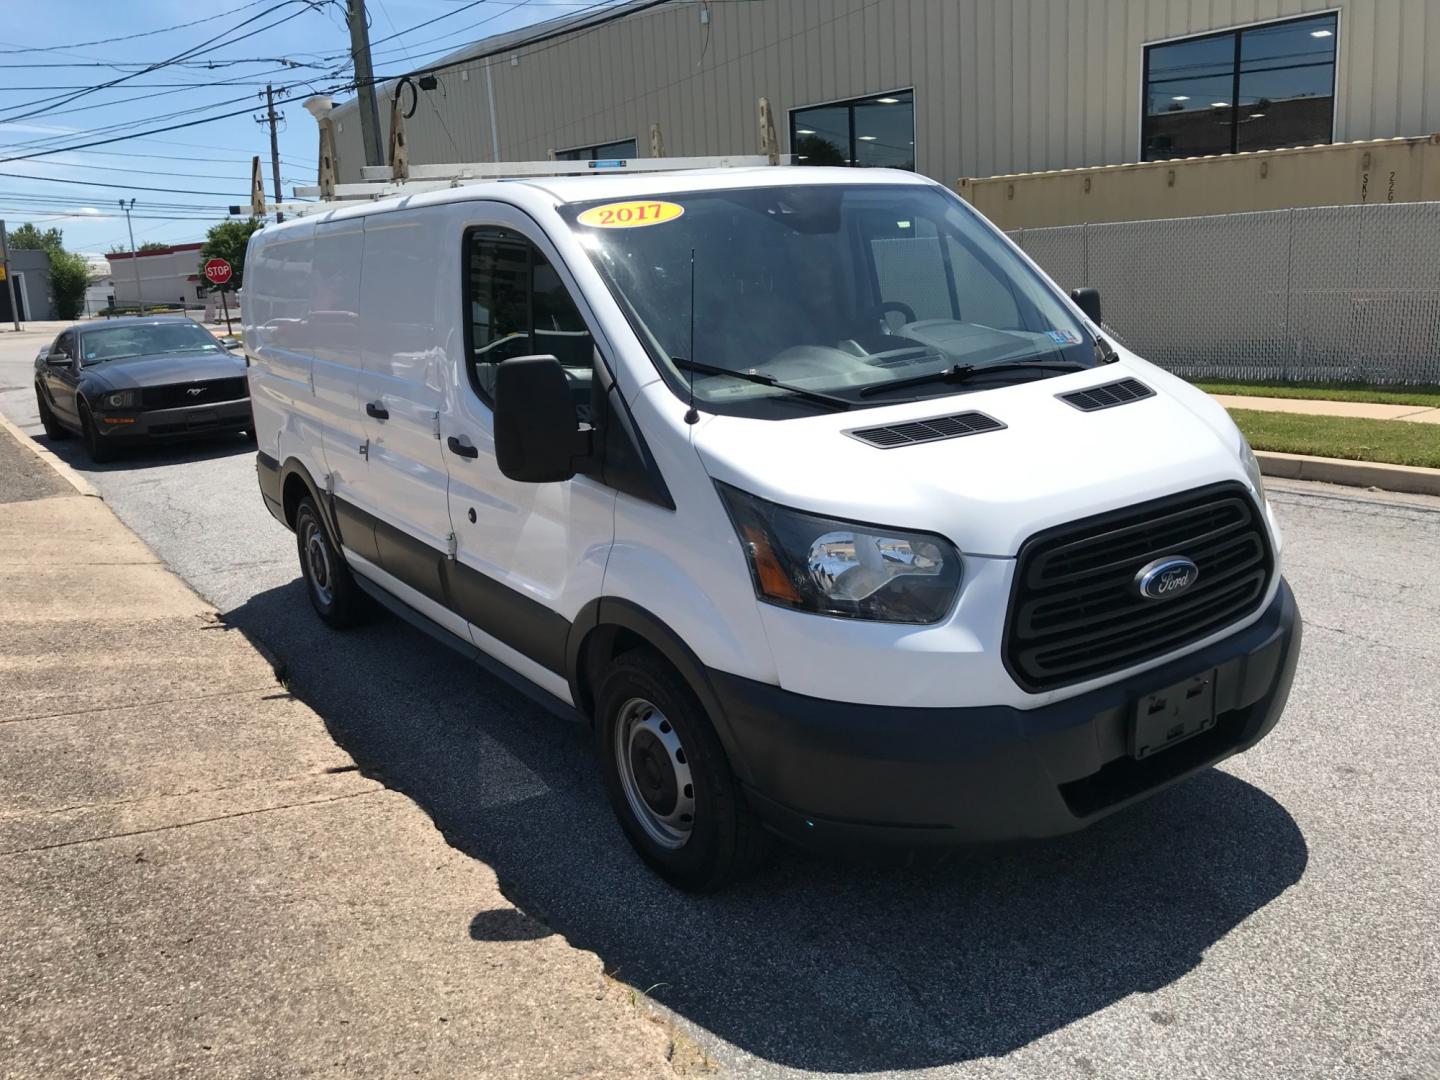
(669,780)
(53,428)
(328,582)
(96,447)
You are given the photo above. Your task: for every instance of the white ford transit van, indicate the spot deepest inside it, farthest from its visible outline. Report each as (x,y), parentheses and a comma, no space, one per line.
(803,486)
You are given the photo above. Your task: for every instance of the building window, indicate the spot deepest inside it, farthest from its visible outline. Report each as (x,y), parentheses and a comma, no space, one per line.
(1258,88)
(625,148)
(873,132)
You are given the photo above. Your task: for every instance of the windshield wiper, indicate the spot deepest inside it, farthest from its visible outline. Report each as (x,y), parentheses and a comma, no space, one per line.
(964,372)
(828,400)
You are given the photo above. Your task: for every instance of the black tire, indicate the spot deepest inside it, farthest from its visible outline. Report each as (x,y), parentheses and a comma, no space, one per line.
(53,428)
(96,447)
(328,582)
(724,841)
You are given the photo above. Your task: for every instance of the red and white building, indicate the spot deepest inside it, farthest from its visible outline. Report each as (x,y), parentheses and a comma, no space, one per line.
(166,276)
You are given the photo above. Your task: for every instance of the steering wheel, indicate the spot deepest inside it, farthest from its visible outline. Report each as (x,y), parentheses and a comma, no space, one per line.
(880,310)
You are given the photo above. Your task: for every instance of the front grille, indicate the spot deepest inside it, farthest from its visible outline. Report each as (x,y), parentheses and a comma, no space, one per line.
(212,391)
(923,431)
(1076,612)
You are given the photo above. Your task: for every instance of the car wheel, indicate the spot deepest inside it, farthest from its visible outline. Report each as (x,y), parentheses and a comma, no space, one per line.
(53,428)
(332,590)
(95,446)
(669,780)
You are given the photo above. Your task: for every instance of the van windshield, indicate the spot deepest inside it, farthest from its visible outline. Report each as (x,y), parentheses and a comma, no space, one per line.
(836,290)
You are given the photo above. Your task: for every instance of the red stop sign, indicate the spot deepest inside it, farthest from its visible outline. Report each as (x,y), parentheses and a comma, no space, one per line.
(217,271)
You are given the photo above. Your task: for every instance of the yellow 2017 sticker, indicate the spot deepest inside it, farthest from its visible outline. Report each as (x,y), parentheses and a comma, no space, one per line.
(630,215)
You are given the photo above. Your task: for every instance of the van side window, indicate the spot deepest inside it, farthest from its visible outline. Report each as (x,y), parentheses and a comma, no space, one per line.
(520,307)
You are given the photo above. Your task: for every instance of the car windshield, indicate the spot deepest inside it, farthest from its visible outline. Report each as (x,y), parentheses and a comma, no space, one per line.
(146,339)
(836,289)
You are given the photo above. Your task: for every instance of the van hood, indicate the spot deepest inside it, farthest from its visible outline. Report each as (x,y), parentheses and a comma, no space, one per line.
(164,370)
(987,492)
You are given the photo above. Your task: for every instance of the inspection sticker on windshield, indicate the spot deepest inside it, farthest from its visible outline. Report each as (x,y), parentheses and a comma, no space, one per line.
(630,215)
(1063,337)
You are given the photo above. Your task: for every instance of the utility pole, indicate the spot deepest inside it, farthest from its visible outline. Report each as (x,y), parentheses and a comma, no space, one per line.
(134,255)
(273,121)
(9,277)
(365,81)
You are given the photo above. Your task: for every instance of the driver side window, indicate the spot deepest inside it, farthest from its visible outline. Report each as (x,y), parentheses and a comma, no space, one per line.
(519,306)
(65,343)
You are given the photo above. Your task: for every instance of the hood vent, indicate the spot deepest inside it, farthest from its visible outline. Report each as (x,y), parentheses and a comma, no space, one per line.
(1107,395)
(922,431)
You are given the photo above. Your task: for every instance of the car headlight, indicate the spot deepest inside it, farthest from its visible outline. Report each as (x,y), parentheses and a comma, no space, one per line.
(120,399)
(1251,465)
(832,567)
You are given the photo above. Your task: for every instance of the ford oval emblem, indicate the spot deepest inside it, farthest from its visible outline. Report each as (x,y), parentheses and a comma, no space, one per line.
(1167,577)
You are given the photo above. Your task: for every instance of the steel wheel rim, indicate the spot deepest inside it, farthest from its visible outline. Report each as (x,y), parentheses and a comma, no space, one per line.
(655,774)
(317,563)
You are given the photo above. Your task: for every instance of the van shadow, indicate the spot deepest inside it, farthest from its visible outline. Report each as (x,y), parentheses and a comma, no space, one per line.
(148,455)
(811,965)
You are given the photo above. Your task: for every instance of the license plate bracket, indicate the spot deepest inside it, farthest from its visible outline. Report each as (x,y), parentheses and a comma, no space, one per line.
(1170,716)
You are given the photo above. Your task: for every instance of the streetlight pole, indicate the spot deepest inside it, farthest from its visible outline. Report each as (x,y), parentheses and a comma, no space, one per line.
(134,255)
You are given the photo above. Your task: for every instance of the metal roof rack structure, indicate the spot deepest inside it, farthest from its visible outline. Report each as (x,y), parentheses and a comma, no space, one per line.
(401,178)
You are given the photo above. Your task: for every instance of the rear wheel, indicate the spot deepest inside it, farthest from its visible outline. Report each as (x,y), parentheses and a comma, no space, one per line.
(53,428)
(95,445)
(328,582)
(669,780)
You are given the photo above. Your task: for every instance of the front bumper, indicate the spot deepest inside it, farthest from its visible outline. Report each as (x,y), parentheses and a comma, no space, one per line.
(187,421)
(834,774)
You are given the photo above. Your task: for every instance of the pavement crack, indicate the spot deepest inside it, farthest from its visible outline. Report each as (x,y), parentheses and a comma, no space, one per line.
(188,824)
(161,796)
(138,704)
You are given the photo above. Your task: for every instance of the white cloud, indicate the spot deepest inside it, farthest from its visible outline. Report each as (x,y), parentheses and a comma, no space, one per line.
(87,211)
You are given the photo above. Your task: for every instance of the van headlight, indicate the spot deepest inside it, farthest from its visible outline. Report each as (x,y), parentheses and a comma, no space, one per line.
(1251,465)
(843,568)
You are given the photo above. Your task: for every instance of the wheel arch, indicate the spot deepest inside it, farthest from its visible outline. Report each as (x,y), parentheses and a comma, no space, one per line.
(295,484)
(609,626)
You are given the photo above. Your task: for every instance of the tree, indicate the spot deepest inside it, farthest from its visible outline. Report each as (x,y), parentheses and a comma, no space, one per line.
(69,273)
(69,278)
(27,237)
(227,241)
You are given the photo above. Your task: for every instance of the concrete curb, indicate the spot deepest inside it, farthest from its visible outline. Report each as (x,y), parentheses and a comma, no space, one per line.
(66,473)
(1410,479)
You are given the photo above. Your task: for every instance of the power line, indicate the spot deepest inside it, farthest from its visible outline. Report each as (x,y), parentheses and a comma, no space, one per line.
(122,187)
(308,5)
(46,141)
(124,138)
(118,169)
(130,37)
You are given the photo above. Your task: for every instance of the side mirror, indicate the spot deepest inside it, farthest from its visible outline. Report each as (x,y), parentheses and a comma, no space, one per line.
(1088,301)
(58,359)
(537,437)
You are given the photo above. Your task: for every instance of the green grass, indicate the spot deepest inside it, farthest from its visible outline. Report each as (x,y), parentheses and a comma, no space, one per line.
(1396,442)
(1420,396)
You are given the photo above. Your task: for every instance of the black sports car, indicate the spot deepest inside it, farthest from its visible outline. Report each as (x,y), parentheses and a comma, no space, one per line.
(121,383)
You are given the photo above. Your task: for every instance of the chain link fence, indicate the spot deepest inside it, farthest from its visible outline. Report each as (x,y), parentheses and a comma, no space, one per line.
(1334,293)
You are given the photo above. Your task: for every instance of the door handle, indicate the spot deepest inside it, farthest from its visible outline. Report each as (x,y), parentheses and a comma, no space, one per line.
(462,449)
(379,412)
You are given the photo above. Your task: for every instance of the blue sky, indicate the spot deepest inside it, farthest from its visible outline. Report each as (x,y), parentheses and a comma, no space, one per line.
(60,48)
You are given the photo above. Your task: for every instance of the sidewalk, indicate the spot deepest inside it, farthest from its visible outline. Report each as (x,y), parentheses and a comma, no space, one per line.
(194,877)
(1362,410)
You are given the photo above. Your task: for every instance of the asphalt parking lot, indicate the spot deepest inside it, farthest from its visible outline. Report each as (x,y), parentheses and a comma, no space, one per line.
(1275,917)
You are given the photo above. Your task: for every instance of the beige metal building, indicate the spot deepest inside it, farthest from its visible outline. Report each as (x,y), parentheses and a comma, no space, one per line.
(950,87)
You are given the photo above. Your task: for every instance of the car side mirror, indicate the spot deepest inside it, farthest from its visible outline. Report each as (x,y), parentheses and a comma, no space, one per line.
(58,359)
(1088,301)
(537,436)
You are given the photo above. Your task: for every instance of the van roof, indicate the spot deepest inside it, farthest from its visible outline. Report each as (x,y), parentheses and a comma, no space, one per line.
(617,185)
